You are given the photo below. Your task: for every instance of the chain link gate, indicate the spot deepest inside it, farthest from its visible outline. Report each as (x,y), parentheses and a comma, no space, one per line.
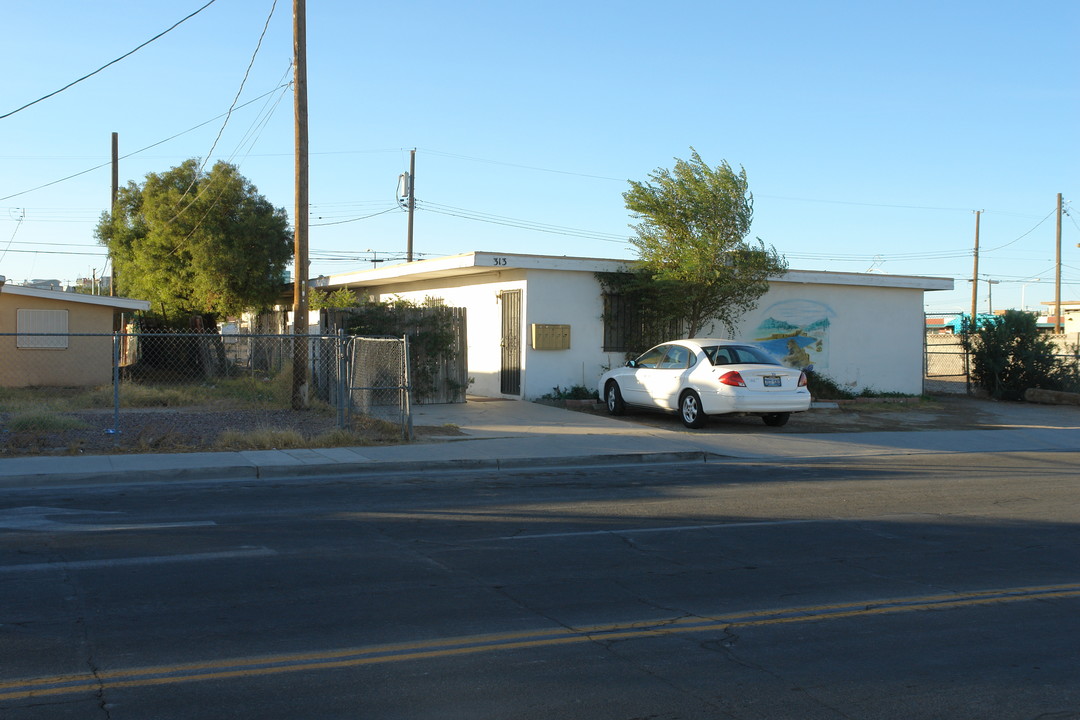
(55,388)
(378,380)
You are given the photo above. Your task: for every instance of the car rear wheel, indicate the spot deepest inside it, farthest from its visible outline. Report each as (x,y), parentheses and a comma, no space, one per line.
(613,398)
(776,419)
(690,411)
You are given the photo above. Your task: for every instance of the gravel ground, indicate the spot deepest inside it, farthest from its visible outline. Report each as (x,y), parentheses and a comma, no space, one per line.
(182,430)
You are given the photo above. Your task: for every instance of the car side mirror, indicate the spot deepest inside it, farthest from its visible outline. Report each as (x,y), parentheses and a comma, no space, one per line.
(631,363)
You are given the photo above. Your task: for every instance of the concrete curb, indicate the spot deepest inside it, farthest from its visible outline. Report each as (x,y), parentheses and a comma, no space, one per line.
(247,471)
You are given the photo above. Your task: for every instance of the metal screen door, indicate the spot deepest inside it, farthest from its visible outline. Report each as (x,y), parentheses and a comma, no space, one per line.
(510,366)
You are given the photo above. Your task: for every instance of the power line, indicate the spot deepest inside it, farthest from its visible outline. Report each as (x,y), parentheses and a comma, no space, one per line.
(18,224)
(243,82)
(523,224)
(863,204)
(112,62)
(999,247)
(141,150)
(526,167)
(342,222)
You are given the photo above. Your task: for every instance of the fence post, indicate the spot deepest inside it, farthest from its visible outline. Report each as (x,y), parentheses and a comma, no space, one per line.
(116,385)
(406,400)
(341,383)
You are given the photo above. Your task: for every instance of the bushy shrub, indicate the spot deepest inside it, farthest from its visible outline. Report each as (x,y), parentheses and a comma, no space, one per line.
(823,387)
(577,392)
(1009,355)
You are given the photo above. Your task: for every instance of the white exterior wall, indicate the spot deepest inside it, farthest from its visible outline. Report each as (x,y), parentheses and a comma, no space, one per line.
(563,298)
(874,338)
(479,295)
(862,331)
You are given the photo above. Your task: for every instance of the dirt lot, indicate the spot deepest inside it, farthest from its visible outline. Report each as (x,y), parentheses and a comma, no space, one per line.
(195,430)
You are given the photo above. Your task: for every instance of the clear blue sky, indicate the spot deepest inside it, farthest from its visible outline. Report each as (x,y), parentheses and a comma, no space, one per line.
(870,132)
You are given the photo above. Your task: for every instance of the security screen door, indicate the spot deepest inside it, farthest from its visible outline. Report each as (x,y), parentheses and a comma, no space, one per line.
(510,368)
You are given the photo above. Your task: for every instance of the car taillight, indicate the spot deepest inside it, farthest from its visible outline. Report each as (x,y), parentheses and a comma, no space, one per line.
(802,379)
(733,378)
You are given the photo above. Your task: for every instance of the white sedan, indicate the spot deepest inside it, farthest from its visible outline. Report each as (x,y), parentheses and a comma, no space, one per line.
(704,376)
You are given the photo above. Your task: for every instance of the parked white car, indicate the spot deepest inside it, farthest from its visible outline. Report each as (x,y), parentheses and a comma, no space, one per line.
(705,376)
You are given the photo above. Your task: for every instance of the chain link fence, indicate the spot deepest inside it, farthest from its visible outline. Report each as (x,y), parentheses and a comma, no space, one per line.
(946,364)
(378,379)
(68,392)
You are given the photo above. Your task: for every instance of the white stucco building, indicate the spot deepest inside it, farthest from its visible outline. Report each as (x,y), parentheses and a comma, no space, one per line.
(536,322)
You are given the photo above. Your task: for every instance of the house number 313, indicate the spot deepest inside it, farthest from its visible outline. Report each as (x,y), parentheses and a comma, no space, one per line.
(499,261)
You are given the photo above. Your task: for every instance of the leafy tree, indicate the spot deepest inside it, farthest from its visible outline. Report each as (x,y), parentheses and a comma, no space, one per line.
(1009,355)
(197,243)
(692,239)
(340,298)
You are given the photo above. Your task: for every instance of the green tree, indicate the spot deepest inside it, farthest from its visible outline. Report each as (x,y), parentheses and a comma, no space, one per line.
(197,243)
(340,298)
(691,237)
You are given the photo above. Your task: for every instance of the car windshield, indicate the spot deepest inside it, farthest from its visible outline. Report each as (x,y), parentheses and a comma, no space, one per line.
(738,355)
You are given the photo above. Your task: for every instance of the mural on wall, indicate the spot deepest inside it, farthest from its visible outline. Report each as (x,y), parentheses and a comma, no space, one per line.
(797,332)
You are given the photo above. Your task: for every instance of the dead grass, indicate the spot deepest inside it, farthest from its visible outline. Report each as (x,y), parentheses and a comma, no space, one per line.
(44,421)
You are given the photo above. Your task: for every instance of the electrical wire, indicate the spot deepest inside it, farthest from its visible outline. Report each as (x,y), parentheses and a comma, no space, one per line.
(141,150)
(522,224)
(198,173)
(58,252)
(526,167)
(342,222)
(18,224)
(999,247)
(255,131)
(243,82)
(113,62)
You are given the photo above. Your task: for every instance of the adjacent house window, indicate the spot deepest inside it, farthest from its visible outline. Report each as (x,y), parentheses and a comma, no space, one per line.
(53,322)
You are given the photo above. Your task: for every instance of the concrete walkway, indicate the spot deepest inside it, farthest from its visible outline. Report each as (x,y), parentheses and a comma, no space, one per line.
(507,434)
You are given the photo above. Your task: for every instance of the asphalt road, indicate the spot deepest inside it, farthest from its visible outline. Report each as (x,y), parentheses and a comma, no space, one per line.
(923,586)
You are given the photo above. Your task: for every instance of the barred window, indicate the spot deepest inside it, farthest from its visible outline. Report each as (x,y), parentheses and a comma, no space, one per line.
(622,323)
(632,326)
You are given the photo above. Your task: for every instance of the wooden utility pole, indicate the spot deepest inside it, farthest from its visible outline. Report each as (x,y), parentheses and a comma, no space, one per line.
(412,203)
(300,219)
(975,277)
(1057,273)
(112,204)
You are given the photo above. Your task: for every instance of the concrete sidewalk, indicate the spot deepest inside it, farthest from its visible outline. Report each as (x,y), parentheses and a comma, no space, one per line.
(493,434)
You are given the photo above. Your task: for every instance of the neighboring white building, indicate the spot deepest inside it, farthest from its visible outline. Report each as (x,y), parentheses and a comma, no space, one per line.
(535,322)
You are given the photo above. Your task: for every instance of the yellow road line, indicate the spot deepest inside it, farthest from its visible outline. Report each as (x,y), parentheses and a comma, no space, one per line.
(49,686)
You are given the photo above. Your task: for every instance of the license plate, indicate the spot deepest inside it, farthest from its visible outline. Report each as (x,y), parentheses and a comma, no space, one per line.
(772,380)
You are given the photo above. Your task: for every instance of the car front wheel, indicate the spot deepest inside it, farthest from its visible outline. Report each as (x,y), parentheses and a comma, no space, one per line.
(613,398)
(690,410)
(776,419)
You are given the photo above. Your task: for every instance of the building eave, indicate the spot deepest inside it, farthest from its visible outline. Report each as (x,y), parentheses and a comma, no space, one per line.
(478,262)
(117,303)
(471,263)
